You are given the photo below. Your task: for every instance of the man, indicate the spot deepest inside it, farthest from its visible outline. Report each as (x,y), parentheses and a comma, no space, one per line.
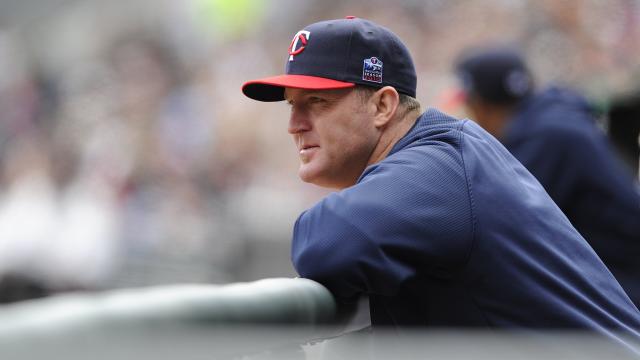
(553,134)
(434,220)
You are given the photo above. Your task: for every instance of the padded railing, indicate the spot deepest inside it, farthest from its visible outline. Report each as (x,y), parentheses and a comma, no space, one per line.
(214,321)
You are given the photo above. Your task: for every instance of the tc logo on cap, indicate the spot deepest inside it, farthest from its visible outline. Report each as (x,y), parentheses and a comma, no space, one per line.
(300,38)
(372,70)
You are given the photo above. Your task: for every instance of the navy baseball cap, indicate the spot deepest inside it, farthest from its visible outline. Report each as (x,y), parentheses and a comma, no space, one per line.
(495,74)
(338,54)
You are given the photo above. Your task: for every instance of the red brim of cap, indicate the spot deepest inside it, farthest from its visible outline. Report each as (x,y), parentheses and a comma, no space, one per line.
(272,88)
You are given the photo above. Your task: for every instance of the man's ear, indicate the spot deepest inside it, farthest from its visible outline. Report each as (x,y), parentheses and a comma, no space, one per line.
(385,101)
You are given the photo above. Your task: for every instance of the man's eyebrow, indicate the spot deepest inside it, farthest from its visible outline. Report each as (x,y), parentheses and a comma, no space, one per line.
(330,94)
(305,95)
(309,93)
(326,94)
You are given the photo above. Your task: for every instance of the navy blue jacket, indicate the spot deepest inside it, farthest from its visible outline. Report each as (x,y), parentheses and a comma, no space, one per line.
(451,230)
(554,136)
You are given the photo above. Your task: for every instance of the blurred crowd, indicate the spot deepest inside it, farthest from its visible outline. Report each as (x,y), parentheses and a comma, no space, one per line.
(129,157)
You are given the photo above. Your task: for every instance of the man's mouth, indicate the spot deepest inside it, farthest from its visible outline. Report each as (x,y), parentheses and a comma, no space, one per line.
(304,146)
(306,151)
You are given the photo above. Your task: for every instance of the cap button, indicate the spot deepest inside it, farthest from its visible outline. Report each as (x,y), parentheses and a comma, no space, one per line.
(350,17)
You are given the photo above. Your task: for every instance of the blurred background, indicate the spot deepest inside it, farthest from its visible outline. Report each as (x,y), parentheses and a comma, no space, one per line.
(129,156)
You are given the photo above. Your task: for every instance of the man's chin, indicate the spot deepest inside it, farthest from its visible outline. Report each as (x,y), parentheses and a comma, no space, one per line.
(307,175)
(313,176)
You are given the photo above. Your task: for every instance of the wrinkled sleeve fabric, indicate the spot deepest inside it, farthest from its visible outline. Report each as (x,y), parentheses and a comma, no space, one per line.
(409,215)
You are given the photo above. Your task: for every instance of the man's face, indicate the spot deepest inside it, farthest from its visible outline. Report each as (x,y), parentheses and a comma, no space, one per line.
(334,134)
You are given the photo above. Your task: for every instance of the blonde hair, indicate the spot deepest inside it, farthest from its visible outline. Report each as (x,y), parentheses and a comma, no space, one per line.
(408,103)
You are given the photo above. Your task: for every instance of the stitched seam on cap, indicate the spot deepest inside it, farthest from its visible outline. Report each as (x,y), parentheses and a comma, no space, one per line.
(345,73)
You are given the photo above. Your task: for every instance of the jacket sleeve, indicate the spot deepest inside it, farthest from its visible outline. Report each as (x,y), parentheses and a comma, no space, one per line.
(409,215)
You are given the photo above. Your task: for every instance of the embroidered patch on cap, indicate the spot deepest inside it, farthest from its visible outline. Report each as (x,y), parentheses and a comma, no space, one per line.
(372,70)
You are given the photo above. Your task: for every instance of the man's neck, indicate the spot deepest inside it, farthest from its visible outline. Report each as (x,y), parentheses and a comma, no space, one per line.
(391,135)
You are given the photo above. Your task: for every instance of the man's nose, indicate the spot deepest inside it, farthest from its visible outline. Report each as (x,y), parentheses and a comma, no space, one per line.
(298,121)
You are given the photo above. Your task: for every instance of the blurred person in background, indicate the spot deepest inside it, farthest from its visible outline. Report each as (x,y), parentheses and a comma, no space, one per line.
(553,133)
(432,219)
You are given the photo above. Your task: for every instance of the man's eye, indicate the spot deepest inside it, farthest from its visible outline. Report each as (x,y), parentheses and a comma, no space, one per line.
(315,100)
